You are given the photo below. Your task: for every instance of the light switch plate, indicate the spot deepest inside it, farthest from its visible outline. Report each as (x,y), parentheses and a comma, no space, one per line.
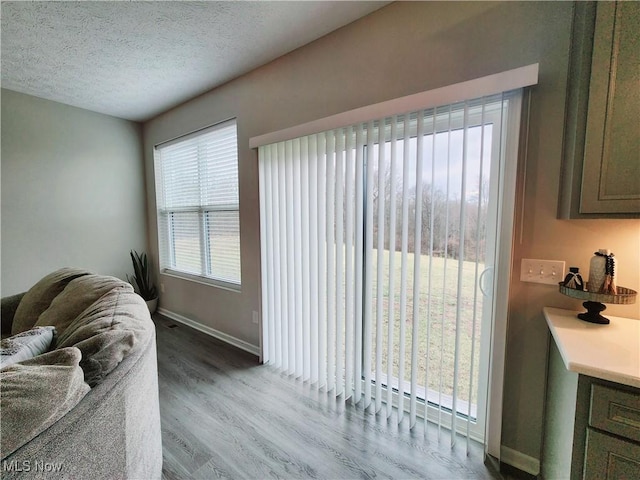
(549,272)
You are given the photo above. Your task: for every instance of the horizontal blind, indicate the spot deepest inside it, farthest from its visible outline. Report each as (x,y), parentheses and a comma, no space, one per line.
(198,203)
(201,171)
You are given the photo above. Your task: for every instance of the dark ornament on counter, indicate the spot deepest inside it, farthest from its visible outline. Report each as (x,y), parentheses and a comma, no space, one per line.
(574,279)
(592,314)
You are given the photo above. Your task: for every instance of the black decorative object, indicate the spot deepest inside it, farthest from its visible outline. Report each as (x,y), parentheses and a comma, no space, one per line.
(592,314)
(574,279)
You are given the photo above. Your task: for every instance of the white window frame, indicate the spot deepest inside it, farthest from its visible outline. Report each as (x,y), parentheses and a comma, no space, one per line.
(207,275)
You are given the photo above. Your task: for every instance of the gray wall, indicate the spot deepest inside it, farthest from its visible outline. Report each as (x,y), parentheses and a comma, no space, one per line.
(402,49)
(73,191)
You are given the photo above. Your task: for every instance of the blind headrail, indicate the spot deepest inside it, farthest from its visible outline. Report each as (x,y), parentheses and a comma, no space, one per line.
(195,133)
(490,85)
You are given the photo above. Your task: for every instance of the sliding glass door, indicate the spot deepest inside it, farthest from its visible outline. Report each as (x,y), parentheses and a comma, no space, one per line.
(378,249)
(443,231)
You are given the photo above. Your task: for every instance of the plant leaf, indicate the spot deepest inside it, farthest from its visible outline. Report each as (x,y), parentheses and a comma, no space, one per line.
(142,276)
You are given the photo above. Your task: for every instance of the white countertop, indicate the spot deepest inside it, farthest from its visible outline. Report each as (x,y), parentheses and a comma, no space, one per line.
(610,352)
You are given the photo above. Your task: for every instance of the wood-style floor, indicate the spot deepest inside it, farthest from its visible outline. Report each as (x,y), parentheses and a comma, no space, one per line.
(226,416)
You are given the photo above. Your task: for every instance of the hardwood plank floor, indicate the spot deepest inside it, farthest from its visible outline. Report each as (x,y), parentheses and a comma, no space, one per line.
(226,416)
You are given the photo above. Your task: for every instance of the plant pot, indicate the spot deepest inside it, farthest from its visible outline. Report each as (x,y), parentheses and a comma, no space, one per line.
(152,305)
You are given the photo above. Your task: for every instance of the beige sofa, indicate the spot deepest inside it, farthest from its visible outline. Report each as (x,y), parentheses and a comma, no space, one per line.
(113,432)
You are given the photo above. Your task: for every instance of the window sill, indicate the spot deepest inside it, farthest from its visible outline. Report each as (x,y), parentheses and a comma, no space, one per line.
(231,287)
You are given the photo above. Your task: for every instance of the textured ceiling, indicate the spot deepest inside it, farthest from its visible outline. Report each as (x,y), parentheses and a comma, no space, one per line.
(135,60)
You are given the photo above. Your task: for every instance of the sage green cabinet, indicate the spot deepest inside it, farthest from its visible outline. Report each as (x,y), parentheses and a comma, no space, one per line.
(601,164)
(612,448)
(610,458)
(592,426)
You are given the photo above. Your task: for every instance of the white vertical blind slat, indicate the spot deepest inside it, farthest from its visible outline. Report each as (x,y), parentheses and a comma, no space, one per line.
(392,250)
(322,261)
(380,262)
(456,361)
(415,327)
(349,355)
(284,288)
(368,264)
(331,266)
(272,258)
(313,251)
(340,265)
(297,259)
(359,260)
(277,320)
(264,259)
(434,116)
(290,249)
(403,268)
(444,275)
(306,262)
(476,274)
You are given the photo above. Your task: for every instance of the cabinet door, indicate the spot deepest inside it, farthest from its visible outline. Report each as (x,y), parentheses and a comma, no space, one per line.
(610,458)
(611,171)
(615,411)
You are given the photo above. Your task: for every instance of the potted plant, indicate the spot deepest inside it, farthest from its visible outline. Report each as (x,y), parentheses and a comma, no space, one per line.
(141,280)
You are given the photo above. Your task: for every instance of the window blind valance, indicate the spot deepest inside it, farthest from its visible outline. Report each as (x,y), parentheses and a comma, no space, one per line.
(481,87)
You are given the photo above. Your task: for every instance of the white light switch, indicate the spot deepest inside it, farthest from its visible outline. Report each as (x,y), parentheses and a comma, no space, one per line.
(550,272)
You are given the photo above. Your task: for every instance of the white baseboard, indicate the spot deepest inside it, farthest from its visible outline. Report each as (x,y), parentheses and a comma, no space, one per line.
(231,340)
(519,460)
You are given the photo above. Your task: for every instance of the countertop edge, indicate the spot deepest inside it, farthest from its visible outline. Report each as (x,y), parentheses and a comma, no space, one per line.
(602,374)
(579,368)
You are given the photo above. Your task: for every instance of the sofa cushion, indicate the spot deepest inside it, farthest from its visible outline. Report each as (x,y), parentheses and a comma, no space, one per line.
(79,294)
(8,307)
(40,296)
(25,345)
(37,393)
(106,332)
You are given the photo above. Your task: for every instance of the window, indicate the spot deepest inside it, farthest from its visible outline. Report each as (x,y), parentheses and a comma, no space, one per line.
(198,207)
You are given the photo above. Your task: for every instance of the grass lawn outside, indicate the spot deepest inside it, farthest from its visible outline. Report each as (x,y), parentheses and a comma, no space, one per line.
(436,327)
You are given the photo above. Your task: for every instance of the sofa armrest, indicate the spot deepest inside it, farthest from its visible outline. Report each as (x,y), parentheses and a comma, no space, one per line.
(113,433)
(9,305)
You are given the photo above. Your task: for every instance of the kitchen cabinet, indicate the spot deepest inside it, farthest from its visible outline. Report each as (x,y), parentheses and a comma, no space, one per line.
(601,158)
(612,448)
(592,418)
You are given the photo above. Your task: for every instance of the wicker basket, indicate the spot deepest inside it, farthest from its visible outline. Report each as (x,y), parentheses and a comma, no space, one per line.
(625,296)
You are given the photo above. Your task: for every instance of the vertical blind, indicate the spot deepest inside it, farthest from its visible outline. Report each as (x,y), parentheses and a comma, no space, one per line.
(373,241)
(198,209)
